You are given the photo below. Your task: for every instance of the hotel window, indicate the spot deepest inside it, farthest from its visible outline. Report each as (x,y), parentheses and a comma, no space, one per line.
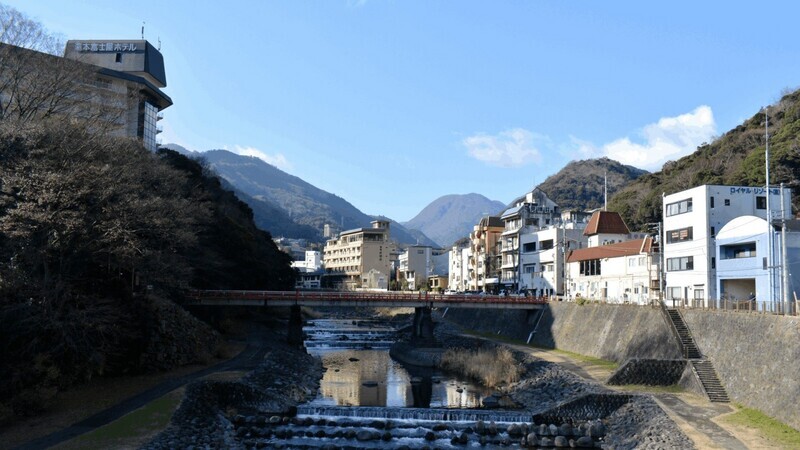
(546,245)
(118,58)
(529,247)
(727,202)
(761,202)
(679,264)
(680,207)
(529,268)
(711,202)
(679,235)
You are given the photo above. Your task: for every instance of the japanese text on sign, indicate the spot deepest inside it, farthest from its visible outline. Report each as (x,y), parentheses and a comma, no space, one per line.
(104,47)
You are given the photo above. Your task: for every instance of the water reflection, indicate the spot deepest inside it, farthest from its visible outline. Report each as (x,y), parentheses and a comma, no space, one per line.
(357,377)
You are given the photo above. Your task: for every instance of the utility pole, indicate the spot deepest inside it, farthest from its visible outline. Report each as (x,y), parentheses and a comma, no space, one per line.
(784,260)
(771,290)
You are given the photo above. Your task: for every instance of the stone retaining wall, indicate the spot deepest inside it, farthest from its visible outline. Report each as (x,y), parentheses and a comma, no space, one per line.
(757,358)
(613,332)
(649,372)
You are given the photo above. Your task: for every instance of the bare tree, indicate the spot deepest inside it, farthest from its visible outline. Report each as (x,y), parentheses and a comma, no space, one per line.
(38,85)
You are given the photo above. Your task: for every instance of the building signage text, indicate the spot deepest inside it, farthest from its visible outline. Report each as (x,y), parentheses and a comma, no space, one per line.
(755,190)
(104,47)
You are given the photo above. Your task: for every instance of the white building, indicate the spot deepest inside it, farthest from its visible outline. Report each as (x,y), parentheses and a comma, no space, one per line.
(458,264)
(617,266)
(415,264)
(542,256)
(742,274)
(311,263)
(692,219)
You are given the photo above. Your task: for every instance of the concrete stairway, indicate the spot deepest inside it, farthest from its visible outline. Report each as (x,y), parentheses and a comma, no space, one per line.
(708,377)
(702,367)
(688,347)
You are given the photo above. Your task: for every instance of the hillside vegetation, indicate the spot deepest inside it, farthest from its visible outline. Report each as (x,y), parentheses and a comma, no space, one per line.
(98,237)
(736,158)
(580,184)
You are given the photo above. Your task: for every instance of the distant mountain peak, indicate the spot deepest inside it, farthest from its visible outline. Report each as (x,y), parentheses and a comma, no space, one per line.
(451,217)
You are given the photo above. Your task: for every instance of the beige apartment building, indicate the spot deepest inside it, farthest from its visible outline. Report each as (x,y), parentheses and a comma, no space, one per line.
(484,262)
(360,258)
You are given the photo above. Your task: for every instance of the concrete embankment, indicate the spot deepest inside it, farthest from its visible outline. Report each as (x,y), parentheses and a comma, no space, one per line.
(757,357)
(616,333)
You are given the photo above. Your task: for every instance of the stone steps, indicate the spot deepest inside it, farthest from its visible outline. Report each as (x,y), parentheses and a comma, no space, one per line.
(711,384)
(702,367)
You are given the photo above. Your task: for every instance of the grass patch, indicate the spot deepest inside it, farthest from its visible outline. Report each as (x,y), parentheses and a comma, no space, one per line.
(611,365)
(772,430)
(131,430)
(492,367)
(673,389)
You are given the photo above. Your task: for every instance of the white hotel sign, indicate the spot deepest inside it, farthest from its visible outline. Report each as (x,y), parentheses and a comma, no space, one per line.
(104,47)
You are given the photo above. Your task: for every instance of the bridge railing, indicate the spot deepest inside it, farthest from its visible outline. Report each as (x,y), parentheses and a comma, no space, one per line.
(387,297)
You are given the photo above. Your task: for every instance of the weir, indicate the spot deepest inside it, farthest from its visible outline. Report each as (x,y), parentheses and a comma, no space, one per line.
(416,414)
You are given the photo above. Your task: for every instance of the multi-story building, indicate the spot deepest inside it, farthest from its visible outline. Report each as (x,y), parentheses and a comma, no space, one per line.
(415,262)
(360,258)
(528,213)
(617,266)
(484,262)
(311,263)
(692,219)
(543,255)
(113,86)
(458,272)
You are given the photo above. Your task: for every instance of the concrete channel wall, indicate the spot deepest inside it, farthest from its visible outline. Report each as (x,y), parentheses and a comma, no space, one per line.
(613,332)
(757,358)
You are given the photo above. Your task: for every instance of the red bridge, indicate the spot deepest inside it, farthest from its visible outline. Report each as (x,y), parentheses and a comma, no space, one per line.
(361,299)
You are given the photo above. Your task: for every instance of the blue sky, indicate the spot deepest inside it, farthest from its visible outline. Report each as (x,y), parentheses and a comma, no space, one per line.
(392,104)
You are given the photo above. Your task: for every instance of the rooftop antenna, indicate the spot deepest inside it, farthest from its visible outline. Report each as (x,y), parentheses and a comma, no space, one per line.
(143,30)
(159,43)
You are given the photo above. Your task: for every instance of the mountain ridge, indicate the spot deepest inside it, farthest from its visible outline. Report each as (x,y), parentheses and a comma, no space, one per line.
(452,216)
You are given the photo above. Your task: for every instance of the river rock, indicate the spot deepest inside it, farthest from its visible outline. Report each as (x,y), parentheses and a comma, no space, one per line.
(386,436)
(597,429)
(514,430)
(320,434)
(565,430)
(584,442)
(364,435)
(543,430)
(377,424)
(545,442)
(275,420)
(440,427)
(463,438)
(480,427)
(552,430)
(430,436)
(561,441)
(492,428)
(531,440)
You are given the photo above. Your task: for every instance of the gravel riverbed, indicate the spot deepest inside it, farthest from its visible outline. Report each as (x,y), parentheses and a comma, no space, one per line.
(216,414)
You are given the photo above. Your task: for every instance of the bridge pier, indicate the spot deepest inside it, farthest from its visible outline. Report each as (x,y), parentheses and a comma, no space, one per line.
(423,323)
(295,334)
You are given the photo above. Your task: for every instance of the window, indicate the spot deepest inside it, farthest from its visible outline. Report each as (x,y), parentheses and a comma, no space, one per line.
(699,294)
(590,267)
(761,202)
(674,293)
(419,252)
(546,245)
(678,264)
(679,235)
(529,268)
(118,58)
(529,247)
(680,207)
(713,231)
(711,202)
(745,250)
(713,262)
(727,202)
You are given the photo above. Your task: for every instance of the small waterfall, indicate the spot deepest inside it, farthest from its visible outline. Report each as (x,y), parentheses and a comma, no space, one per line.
(356,344)
(416,414)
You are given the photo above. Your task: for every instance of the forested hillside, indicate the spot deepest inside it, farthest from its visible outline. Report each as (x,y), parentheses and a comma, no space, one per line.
(580,184)
(736,158)
(98,236)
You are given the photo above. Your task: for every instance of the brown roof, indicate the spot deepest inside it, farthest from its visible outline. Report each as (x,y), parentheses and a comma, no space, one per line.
(617,250)
(606,222)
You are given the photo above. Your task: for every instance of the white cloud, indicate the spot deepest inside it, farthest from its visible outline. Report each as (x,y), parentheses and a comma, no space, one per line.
(278,159)
(668,139)
(511,148)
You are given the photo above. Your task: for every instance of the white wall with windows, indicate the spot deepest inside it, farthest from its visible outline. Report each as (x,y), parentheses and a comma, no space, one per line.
(692,219)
